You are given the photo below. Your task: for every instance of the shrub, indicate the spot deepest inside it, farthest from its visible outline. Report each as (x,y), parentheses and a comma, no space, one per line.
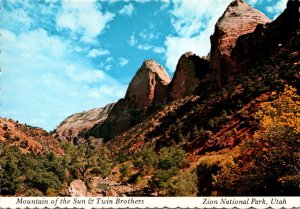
(185,184)
(87,159)
(171,157)
(125,171)
(170,160)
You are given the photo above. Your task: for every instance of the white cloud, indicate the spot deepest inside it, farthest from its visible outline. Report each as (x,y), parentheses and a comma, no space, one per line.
(98,52)
(123,61)
(193,22)
(142,42)
(165,5)
(39,74)
(78,49)
(190,16)
(159,50)
(84,75)
(109,59)
(176,46)
(144,47)
(252,2)
(147,36)
(277,8)
(107,67)
(113,91)
(83,17)
(127,10)
(132,41)
(155,49)
(21,17)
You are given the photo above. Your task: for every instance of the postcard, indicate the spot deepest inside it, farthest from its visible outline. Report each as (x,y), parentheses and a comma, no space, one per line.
(149,104)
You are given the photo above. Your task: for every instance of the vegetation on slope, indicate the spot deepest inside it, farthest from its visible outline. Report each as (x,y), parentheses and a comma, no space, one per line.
(30,174)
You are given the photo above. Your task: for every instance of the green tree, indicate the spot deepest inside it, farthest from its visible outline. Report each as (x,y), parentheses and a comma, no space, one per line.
(87,159)
(21,172)
(171,157)
(146,160)
(184,184)
(170,160)
(9,172)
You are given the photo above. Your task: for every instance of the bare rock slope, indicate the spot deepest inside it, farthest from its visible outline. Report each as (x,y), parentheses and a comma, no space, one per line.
(75,126)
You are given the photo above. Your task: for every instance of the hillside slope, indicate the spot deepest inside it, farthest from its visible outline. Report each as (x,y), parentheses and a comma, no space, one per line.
(28,138)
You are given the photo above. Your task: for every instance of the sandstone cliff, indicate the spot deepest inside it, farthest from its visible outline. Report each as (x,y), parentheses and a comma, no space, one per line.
(190,70)
(238,19)
(266,39)
(149,85)
(148,88)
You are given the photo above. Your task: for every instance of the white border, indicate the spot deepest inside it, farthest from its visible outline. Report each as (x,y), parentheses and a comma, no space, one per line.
(149,202)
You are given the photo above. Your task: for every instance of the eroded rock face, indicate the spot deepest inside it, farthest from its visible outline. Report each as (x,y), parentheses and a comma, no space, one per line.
(148,88)
(77,188)
(238,19)
(73,127)
(267,39)
(149,85)
(190,70)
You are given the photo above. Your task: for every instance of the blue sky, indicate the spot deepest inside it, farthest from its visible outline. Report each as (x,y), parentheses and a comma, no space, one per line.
(62,57)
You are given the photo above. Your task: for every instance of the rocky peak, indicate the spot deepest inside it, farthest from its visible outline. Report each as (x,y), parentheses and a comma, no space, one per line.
(149,85)
(238,19)
(148,88)
(236,3)
(269,38)
(190,70)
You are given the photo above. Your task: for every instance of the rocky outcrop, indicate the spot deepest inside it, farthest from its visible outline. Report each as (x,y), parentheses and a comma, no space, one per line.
(190,70)
(74,127)
(149,85)
(238,19)
(148,88)
(266,39)
(77,188)
(121,117)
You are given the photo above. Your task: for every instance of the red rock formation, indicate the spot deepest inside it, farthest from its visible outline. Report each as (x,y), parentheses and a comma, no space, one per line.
(190,70)
(149,85)
(268,38)
(238,19)
(148,88)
